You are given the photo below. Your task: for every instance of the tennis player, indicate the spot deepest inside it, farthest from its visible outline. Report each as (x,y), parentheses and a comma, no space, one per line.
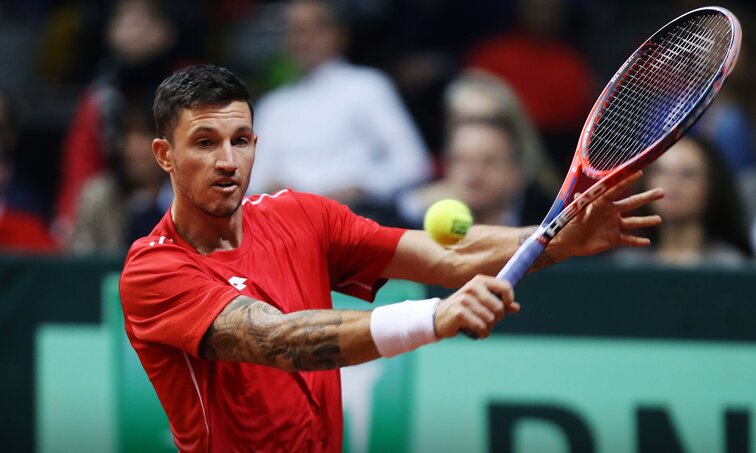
(227,302)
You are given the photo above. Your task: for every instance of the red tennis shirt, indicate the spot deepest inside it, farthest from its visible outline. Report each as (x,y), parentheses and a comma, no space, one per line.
(296,248)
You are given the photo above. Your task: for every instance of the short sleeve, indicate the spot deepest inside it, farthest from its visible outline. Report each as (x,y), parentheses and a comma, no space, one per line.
(359,249)
(168,298)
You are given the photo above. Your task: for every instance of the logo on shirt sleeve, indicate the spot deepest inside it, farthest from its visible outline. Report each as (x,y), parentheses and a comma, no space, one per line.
(238,282)
(161,241)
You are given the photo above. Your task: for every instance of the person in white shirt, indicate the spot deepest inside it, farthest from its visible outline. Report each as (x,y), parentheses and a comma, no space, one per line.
(341,130)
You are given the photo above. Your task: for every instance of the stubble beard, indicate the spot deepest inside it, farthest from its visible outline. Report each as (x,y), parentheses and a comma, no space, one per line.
(221,211)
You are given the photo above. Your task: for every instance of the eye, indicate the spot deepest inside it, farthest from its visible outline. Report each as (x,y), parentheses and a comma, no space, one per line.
(204,143)
(241,141)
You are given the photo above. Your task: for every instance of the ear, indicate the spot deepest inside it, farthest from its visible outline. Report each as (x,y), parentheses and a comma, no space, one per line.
(163,152)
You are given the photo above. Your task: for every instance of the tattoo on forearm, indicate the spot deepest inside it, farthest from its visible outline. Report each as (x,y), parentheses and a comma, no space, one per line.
(253,331)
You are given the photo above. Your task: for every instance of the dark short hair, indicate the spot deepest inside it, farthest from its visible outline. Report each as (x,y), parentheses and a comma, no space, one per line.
(194,86)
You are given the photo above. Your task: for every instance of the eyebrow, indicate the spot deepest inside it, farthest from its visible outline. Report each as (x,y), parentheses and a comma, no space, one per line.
(199,129)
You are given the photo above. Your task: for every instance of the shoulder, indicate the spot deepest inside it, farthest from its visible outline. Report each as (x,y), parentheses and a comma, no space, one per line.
(372,77)
(284,198)
(154,265)
(720,253)
(288,205)
(155,253)
(158,249)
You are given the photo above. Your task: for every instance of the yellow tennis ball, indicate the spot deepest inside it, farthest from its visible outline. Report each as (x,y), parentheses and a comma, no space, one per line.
(447,221)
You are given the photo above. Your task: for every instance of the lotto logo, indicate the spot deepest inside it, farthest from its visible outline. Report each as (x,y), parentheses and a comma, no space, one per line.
(238,282)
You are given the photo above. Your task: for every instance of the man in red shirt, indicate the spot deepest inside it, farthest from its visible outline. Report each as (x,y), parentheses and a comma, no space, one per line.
(227,301)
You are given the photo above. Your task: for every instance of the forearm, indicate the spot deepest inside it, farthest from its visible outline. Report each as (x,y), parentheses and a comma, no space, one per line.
(255,332)
(484,250)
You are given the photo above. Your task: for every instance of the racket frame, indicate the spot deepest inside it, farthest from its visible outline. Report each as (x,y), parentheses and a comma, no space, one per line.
(560,215)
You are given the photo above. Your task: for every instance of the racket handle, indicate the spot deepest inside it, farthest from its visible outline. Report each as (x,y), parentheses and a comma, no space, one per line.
(522,260)
(518,265)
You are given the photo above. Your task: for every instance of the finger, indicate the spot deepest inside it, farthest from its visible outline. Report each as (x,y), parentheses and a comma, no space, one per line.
(470,322)
(502,288)
(490,301)
(513,308)
(638,200)
(633,223)
(634,241)
(618,191)
(471,303)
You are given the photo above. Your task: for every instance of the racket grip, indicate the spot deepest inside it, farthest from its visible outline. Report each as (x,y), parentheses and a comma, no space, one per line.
(518,265)
(522,260)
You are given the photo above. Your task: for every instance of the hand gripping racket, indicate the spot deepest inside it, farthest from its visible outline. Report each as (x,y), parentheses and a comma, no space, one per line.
(657,95)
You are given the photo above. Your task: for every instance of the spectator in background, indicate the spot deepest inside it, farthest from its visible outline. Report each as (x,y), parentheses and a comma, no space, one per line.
(551,77)
(124,202)
(19,231)
(486,124)
(340,130)
(484,169)
(728,126)
(703,219)
(478,94)
(142,40)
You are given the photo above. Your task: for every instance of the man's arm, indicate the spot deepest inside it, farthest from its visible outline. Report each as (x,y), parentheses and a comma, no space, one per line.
(485,249)
(249,330)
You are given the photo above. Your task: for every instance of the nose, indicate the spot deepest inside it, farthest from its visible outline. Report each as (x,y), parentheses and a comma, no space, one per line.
(226,161)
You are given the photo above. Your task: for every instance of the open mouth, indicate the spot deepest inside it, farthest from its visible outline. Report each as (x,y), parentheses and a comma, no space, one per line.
(226,185)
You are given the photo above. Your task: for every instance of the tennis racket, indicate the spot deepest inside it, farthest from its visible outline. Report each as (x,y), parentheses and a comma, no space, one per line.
(654,98)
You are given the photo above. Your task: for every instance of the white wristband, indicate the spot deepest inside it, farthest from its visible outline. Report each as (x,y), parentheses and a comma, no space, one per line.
(403,327)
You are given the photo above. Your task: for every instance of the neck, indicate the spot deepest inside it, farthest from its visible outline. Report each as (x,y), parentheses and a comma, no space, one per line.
(207,234)
(681,242)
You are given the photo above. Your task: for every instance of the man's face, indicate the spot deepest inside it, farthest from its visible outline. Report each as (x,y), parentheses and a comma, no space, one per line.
(312,35)
(210,157)
(483,166)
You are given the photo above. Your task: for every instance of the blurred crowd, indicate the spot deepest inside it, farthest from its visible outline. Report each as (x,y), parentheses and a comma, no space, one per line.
(384,105)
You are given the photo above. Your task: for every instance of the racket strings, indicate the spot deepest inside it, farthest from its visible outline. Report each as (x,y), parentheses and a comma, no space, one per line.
(658,90)
(635,129)
(629,128)
(635,117)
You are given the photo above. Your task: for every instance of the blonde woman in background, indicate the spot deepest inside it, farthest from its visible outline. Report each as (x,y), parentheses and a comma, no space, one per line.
(476,94)
(494,159)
